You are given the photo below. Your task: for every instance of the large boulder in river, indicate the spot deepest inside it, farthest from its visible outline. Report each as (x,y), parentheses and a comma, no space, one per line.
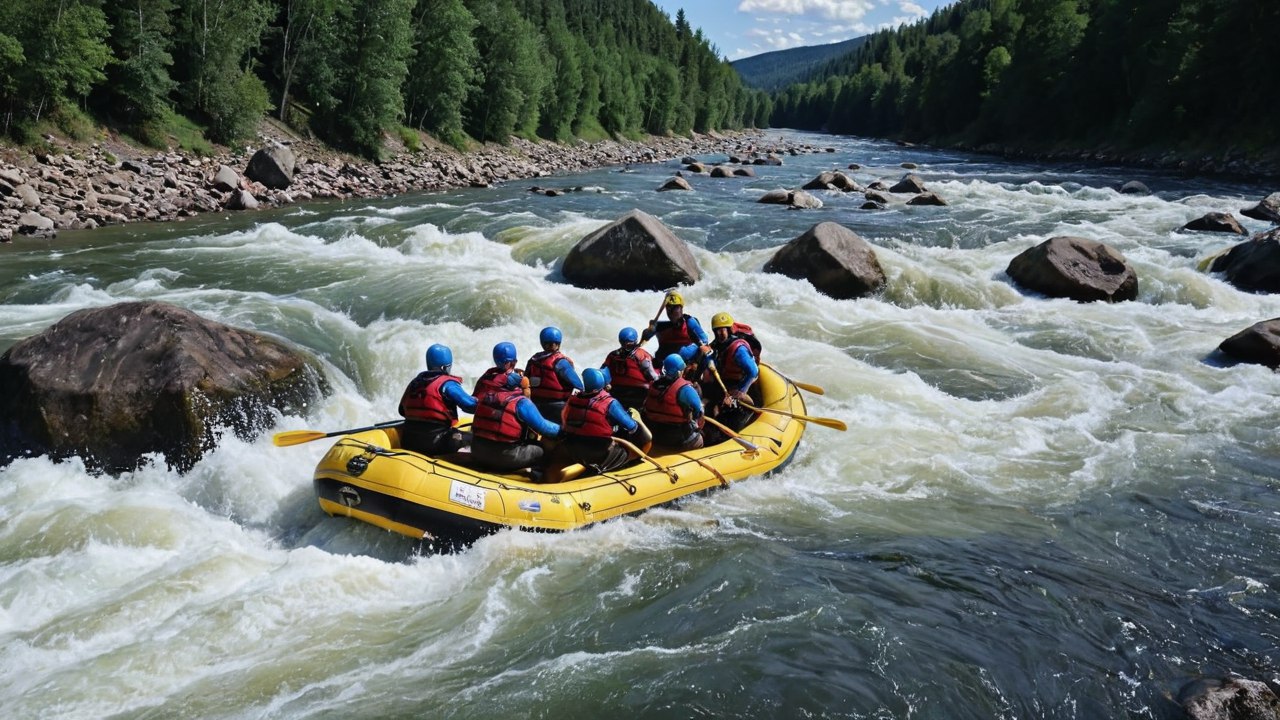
(1253,265)
(1077,268)
(1216,222)
(1229,699)
(272,166)
(1267,209)
(634,252)
(116,383)
(832,257)
(1258,344)
(793,198)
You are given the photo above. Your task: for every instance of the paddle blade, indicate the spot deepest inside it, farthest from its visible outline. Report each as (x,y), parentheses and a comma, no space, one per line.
(826,422)
(295,437)
(814,389)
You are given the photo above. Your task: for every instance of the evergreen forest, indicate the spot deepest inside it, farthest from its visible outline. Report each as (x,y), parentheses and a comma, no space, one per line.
(1059,74)
(351,71)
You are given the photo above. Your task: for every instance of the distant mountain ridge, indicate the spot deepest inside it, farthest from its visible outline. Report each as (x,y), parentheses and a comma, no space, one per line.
(775,70)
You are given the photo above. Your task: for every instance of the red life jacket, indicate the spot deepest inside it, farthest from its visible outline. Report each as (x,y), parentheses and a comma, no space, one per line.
(673,336)
(726,361)
(424,399)
(662,406)
(588,416)
(624,367)
(744,331)
(495,418)
(544,381)
(493,380)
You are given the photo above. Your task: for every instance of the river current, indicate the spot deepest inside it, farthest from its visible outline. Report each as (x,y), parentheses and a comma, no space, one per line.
(1041,509)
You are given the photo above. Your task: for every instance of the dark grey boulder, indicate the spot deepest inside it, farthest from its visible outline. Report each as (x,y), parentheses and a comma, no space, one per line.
(1259,344)
(634,252)
(242,200)
(910,184)
(929,198)
(116,383)
(1253,265)
(833,258)
(744,172)
(1267,209)
(272,166)
(793,198)
(824,181)
(1229,699)
(721,171)
(33,223)
(1135,187)
(1216,222)
(676,183)
(1077,268)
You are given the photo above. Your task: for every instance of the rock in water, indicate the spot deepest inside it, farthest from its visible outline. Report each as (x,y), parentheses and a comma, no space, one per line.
(634,252)
(832,257)
(1077,268)
(116,383)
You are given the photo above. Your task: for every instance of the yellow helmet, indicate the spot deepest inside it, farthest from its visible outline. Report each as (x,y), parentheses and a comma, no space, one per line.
(674,298)
(721,319)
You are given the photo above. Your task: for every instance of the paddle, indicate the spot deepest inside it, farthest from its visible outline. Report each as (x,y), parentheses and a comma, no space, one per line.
(808,388)
(641,454)
(297,437)
(825,422)
(724,482)
(749,446)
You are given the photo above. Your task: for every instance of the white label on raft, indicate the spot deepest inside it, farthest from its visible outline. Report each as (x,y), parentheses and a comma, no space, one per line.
(464,494)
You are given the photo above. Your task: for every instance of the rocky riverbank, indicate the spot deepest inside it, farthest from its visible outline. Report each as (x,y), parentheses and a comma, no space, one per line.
(66,186)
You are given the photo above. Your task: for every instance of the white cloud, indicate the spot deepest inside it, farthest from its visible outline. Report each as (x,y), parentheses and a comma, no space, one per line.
(909,7)
(847,10)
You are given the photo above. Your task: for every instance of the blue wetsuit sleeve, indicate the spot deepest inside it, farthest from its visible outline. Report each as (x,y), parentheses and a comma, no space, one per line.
(567,374)
(747,362)
(454,393)
(619,416)
(695,328)
(689,399)
(529,415)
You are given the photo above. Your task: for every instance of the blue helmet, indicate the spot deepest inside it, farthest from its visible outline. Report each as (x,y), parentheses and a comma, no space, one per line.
(439,357)
(592,380)
(672,366)
(550,335)
(503,353)
(688,353)
(628,335)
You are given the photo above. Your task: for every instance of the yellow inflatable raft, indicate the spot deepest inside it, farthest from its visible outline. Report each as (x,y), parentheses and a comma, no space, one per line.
(367,477)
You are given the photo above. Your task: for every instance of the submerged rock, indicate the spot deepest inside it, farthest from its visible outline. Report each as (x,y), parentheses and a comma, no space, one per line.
(1216,222)
(1077,268)
(634,252)
(114,384)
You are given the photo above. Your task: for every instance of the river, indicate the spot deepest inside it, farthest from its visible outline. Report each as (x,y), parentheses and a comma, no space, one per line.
(1041,509)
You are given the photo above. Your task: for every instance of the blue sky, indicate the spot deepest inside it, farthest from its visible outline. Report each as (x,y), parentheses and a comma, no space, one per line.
(742,28)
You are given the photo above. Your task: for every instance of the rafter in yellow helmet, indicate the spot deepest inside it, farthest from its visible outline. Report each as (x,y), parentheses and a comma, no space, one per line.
(721,319)
(674,298)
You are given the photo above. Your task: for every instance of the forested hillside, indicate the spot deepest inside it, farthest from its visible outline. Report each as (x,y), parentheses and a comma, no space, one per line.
(352,70)
(780,68)
(1187,74)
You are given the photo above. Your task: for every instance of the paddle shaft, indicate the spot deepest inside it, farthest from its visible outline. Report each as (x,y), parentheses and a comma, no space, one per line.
(644,456)
(825,422)
(745,443)
(298,437)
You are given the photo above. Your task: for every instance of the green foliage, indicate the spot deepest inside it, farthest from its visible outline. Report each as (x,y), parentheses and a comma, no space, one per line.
(141,36)
(216,39)
(367,64)
(1054,73)
(444,68)
(410,138)
(355,70)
